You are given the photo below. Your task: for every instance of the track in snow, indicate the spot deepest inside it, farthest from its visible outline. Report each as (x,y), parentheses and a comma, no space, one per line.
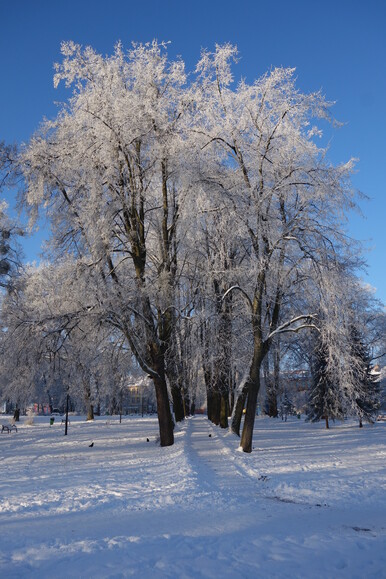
(212,457)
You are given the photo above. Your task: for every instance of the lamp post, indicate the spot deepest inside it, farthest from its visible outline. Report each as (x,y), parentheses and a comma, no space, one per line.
(120,405)
(66,424)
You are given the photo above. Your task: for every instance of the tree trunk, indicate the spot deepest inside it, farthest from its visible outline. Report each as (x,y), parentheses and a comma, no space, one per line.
(224,410)
(173,367)
(186,402)
(184,384)
(163,410)
(66,423)
(327,425)
(271,385)
(276,378)
(87,398)
(249,422)
(238,410)
(209,405)
(178,404)
(272,403)
(211,402)
(90,412)
(232,401)
(253,386)
(97,411)
(216,412)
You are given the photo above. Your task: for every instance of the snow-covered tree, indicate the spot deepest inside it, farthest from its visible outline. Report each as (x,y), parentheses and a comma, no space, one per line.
(58,346)
(366,399)
(198,215)
(260,155)
(348,320)
(10,254)
(109,171)
(325,396)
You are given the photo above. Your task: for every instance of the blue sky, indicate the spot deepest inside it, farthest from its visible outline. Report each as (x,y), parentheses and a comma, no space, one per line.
(337,46)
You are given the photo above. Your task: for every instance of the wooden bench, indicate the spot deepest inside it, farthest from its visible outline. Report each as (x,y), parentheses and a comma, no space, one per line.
(8,428)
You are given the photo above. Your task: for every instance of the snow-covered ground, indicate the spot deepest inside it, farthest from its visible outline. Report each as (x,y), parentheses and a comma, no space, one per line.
(306,503)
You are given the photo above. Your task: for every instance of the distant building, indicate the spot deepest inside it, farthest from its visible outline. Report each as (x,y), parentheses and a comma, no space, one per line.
(139,399)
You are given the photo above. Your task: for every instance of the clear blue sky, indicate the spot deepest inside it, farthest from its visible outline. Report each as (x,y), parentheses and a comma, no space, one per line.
(338,46)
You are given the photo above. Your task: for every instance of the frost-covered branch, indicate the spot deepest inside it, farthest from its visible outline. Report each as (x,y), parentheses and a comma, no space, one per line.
(238,288)
(286,327)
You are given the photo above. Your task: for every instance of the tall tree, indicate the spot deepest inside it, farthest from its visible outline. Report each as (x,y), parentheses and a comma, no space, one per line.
(366,399)
(285,198)
(145,176)
(325,396)
(108,170)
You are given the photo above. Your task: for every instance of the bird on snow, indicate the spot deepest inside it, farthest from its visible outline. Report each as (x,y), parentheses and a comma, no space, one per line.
(91,445)
(210,436)
(147,440)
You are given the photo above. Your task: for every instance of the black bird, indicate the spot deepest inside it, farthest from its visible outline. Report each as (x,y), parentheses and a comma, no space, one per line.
(210,436)
(147,440)
(91,445)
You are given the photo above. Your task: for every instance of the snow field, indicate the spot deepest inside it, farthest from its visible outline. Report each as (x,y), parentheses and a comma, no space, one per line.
(306,503)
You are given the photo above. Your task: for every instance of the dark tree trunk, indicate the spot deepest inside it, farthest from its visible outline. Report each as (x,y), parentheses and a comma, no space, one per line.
(272,404)
(185,389)
(156,362)
(173,366)
(238,410)
(113,405)
(216,408)
(233,387)
(87,397)
(224,410)
(209,392)
(97,411)
(224,373)
(246,438)
(186,402)
(209,405)
(163,410)
(271,385)
(326,419)
(90,412)
(232,401)
(253,387)
(66,423)
(16,414)
(276,377)
(178,404)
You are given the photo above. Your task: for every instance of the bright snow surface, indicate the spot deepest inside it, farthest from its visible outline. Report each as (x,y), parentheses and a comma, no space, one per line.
(306,503)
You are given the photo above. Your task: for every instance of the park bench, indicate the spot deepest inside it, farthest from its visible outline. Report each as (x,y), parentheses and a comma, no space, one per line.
(8,428)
